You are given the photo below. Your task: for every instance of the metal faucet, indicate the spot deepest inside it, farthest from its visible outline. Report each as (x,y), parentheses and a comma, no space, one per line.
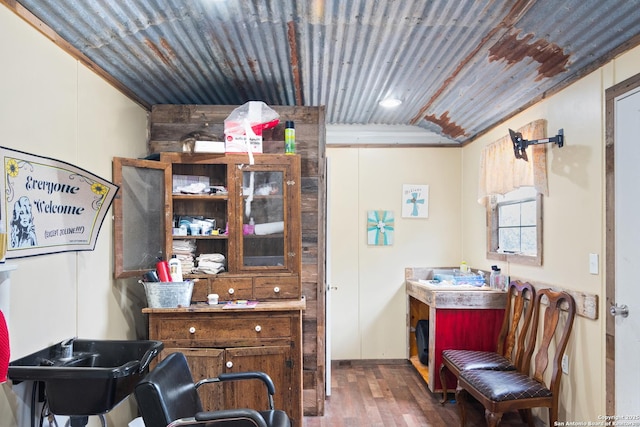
(67,348)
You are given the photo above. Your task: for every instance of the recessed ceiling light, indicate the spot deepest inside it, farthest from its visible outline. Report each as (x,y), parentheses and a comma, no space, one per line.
(390,102)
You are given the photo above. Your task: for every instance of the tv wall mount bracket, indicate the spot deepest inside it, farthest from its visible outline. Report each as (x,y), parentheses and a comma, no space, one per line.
(520,144)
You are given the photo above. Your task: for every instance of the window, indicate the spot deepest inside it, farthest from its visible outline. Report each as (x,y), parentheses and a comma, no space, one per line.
(515,227)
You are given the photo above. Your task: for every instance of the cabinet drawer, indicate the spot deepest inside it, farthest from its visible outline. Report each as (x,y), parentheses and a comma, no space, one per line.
(245,330)
(230,288)
(277,287)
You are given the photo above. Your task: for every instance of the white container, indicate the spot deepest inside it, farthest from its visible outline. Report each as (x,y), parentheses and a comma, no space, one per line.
(464,268)
(175,268)
(209,147)
(195,229)
(212,299)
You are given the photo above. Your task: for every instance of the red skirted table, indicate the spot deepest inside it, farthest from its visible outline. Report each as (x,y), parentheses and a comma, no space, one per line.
(459,317)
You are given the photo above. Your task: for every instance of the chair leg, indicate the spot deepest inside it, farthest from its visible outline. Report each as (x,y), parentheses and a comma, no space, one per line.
(493,419)
(553,415)
(443,383)
(460,402)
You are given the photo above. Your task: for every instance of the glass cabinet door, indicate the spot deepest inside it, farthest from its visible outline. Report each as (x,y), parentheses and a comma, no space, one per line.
(141,215)
(264,218)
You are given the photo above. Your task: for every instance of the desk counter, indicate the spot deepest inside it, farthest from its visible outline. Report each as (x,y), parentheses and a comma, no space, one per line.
(459,316)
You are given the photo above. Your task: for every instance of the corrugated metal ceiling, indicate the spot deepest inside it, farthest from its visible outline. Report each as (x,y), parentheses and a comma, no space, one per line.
(460,66)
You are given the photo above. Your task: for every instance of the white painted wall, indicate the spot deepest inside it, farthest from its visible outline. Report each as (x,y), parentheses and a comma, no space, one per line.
(50,105)
(369,304)
(369,310)
(574,218)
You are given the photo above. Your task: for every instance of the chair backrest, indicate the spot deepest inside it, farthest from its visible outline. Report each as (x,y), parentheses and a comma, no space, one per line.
(517,318)
(551,304)
(168,392)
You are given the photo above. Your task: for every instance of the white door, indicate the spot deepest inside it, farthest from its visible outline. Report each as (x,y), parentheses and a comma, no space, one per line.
(343,277)
(627,251)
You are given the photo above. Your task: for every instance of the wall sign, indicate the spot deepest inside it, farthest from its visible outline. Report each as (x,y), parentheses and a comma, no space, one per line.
(50,206)
(380,227)
(415,201)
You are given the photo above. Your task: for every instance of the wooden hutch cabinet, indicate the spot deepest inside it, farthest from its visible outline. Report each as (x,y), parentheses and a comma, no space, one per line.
(256,209)
(262,264)
(265,338)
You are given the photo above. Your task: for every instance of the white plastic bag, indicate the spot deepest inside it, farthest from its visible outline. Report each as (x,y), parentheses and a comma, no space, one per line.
(256,115)
(243,127)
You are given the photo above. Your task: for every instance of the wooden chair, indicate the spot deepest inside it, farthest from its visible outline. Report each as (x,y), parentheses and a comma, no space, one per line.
(511,340)
(502,391)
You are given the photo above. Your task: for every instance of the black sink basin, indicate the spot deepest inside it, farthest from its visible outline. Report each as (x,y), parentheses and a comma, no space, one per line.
(93,379)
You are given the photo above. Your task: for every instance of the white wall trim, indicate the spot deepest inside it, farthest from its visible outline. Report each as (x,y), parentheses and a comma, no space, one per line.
(384,135)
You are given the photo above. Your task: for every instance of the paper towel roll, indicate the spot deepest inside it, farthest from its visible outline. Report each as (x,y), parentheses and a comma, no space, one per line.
(269,228)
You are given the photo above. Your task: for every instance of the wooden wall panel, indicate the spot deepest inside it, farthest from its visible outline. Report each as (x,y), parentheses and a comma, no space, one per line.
(169,125)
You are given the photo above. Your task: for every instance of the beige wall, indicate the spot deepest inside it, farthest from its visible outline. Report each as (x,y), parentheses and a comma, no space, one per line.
(53,106)
(369,305)
(574,217)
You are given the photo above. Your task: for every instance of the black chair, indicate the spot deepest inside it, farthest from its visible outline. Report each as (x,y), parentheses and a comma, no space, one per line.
(167,396)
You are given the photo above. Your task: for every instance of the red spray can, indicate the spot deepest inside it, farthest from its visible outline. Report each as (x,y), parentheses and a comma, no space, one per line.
(162,268)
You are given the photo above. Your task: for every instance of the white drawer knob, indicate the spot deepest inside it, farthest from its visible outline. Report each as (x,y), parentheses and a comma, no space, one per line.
(192,330)
(276,289)
(231,291)
(258,328)
(229,364)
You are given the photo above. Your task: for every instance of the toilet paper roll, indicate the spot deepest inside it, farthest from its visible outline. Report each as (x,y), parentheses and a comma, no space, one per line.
(269,228)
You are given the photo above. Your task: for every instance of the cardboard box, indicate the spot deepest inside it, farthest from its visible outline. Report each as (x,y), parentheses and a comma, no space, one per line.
(238,143)
(209,147)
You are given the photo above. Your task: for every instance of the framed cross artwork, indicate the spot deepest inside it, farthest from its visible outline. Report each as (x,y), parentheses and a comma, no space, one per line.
(380,227)
(415,201)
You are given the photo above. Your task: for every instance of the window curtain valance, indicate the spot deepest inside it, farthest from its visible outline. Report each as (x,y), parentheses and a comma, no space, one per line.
(501,172)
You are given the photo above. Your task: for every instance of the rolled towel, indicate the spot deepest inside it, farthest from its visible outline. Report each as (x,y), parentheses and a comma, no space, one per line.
(269,228)
(215,257)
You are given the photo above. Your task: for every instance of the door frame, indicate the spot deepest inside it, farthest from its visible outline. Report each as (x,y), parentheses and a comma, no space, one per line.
(611,94)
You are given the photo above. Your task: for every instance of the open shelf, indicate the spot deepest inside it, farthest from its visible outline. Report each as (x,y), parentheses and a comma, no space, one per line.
(209,197)
(202,237)
(422,369)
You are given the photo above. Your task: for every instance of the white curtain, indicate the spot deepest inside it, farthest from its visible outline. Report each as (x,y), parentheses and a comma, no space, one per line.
(501,172)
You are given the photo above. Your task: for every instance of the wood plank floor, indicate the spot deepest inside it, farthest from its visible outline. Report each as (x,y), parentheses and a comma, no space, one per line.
(390,395)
